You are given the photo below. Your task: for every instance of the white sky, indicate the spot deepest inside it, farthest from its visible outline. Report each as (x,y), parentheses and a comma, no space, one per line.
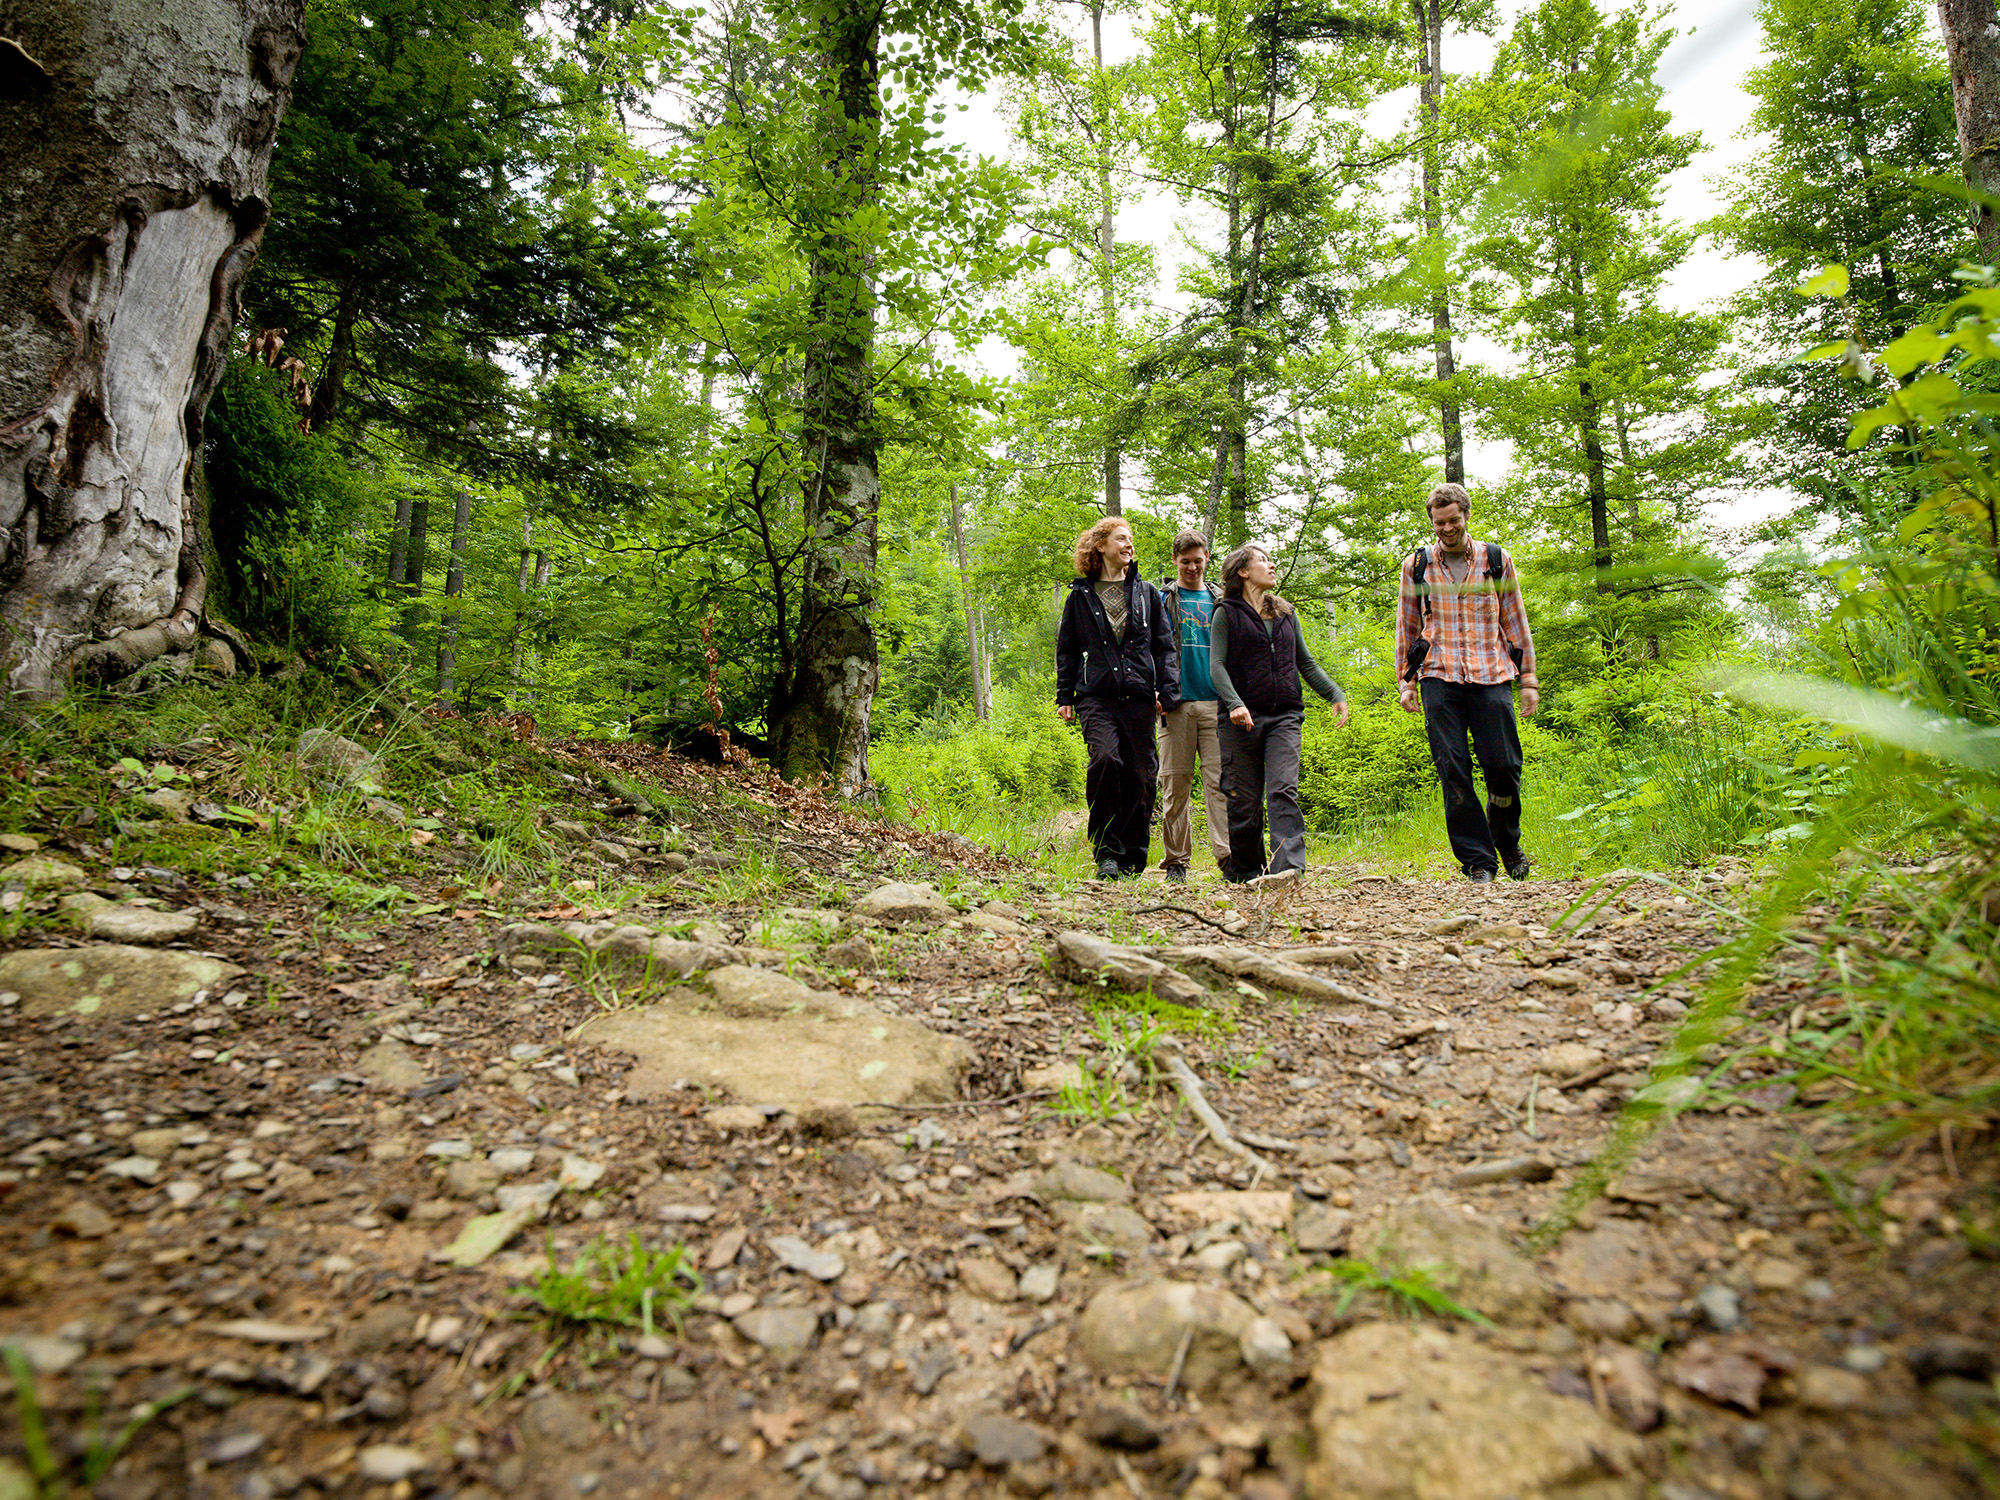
(1701,73)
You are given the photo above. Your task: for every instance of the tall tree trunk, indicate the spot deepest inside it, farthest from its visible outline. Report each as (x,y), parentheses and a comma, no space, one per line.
(1972,43)
(332,381)
(824,725)
(1218,476)
(1107,286)
(974,647)
(413,575)
(454,585)
(133,203)
(1430,23)
(399,543)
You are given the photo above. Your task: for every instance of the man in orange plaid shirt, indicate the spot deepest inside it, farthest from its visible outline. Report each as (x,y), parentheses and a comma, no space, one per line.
(1461,640)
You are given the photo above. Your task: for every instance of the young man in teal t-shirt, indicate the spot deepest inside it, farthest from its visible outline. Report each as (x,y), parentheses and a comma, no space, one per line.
(1189,730)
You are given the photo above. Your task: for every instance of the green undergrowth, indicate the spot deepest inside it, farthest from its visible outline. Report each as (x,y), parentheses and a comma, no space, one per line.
(623,1286)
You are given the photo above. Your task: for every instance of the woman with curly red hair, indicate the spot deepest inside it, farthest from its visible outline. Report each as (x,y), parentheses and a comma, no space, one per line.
(1117,670)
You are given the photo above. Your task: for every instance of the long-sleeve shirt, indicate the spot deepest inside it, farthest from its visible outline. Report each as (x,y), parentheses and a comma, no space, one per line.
(1473,621)
(1311,673)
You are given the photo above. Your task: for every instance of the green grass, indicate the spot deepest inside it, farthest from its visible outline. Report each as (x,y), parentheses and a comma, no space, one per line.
(626,1286)
(1411,1292)
(97,1451)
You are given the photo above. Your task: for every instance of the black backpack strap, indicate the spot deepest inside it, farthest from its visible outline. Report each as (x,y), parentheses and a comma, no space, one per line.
(1420,564)
(1496,562)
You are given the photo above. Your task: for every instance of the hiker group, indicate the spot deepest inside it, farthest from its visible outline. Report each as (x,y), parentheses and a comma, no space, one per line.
(1162,680)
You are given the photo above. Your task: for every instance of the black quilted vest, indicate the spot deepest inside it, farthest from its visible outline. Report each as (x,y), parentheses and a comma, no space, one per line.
(1264,668)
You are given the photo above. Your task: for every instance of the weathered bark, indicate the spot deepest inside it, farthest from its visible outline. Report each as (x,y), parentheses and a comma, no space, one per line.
(454,585)
(399,543)
(138,141)
(823,723)
(1590,427)
(1430,27)
(1107,286)
(1972,43)
(981,705)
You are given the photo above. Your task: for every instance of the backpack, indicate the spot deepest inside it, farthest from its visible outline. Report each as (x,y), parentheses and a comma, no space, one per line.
(1496,562)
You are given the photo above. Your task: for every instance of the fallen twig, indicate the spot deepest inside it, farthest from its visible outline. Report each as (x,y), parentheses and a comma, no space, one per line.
(1189,1086)
(1140,911)
(1180,1360)
(921,1109)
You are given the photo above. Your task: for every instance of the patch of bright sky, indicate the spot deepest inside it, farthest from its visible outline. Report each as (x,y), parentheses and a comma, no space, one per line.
(1701,74)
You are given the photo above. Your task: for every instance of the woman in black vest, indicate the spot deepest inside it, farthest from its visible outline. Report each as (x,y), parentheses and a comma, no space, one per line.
(1257,658)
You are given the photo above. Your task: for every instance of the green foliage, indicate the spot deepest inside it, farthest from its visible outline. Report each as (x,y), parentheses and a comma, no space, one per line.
(1025,758)
(1411,1291)
(626,1285)
(98,1449)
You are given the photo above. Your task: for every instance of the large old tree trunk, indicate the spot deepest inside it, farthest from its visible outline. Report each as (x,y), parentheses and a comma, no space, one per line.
(138,137)
(1972,43)
(822,723)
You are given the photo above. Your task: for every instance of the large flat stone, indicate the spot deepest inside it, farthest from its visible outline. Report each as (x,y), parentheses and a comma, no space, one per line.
(900,902)
(108,979)
(1415,1412)
(770,1040)
(140,925)
(1138,1328)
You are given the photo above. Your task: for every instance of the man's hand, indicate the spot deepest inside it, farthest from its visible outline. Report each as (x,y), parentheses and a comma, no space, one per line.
(1067,710)
(1240,717)
(1160,706)
(1531,699)
(1340,714)
(1410,698)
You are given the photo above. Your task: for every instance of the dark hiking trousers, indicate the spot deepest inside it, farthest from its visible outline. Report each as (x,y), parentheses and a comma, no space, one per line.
(1260,770)
(1121,736)
(1480,838)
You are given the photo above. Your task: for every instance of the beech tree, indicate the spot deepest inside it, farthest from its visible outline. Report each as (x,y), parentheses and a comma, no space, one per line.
(135,199)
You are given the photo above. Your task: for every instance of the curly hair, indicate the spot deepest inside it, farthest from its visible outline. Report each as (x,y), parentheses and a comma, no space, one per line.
(1089,556)
(1449,494)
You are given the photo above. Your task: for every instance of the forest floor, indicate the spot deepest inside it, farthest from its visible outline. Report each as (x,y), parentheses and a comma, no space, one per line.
(295,1212)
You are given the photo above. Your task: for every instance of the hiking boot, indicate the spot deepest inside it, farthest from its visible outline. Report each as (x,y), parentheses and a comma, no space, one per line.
(1107,869)
(1176,873)
(1479,877)
(1519,865)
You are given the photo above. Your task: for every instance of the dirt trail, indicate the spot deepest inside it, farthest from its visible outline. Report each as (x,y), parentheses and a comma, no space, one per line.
(247,1197)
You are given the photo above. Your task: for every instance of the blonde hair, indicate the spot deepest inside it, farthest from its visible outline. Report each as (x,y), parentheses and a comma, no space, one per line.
(1089,546)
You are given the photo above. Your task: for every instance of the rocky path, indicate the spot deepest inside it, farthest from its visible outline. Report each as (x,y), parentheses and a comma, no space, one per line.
(956,1229)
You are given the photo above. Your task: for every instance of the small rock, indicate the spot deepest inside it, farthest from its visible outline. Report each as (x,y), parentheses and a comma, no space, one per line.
(730,1119)
(1720,1306)
(1826,1388)
(987,1279)
(323,750)
(1319,1226)
(1039,1282)
(855,953)
(44,870)
(231,1446)
(1073,1182)
(652,1346)
(1864,1359)
(83,1219)
(1949,1354)
(1506,1169)
(1113,1424)
(471,1180)
(1601,1317)
(389,1463)
(1630,1386)
(929,1370)
(19,843)
(47,1355)
(785,1333)
(1137,1328)
(1567,1059)
(158,1144)
(136,1168)
(443,1330)
(580,1175)
(997,1441)
(1220,1257)
(829,1119)
(140,924)
(391,1065)
(1770,1274)
(1266,1348)
(183,1191)
(449,1150)
(486,1236)
(511,1161)
(901,902)
(821,1265)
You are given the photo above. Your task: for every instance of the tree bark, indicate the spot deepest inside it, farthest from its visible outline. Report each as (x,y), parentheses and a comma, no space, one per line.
(454,585)
(1430,25)
(399,543)
(1107,286)
(135,197)
(823,727)
(981,707)
(413,577)
(1972,44)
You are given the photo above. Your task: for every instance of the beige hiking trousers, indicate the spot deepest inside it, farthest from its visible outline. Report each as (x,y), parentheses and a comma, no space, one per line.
(1185,734)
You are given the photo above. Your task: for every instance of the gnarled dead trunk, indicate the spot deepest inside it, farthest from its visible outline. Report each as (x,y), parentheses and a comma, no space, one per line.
(139,136)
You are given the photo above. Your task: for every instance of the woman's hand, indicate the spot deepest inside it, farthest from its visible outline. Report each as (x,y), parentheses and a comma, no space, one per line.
(1340,714)
(1066,710)
(1240,717)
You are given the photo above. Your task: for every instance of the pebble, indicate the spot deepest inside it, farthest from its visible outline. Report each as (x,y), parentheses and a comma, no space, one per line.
(1824,1388)
(1039,1282)
(1113,1424)
(183,1192)
(47,1355)
(135,1168)
(1220,1257)
(821,1265)
(997,1440)
(389,1463)
(1864,1359)
(511,1161)
(1721,1307)
(234,1445)
(785,1333)
(85,1220)
(652,1346)
(449,1150)
(1266,1347)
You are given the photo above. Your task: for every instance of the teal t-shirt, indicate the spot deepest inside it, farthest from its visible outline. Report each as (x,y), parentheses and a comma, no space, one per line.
(1197,609)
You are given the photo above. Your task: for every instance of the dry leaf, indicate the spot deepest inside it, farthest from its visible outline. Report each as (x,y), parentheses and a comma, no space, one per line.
(778,1427)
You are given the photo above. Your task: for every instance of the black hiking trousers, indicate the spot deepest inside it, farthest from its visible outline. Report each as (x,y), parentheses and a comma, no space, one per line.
(1121,735)
(1483,712)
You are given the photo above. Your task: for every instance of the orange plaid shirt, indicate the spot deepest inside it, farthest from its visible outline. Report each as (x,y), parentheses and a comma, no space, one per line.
(1472,621)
